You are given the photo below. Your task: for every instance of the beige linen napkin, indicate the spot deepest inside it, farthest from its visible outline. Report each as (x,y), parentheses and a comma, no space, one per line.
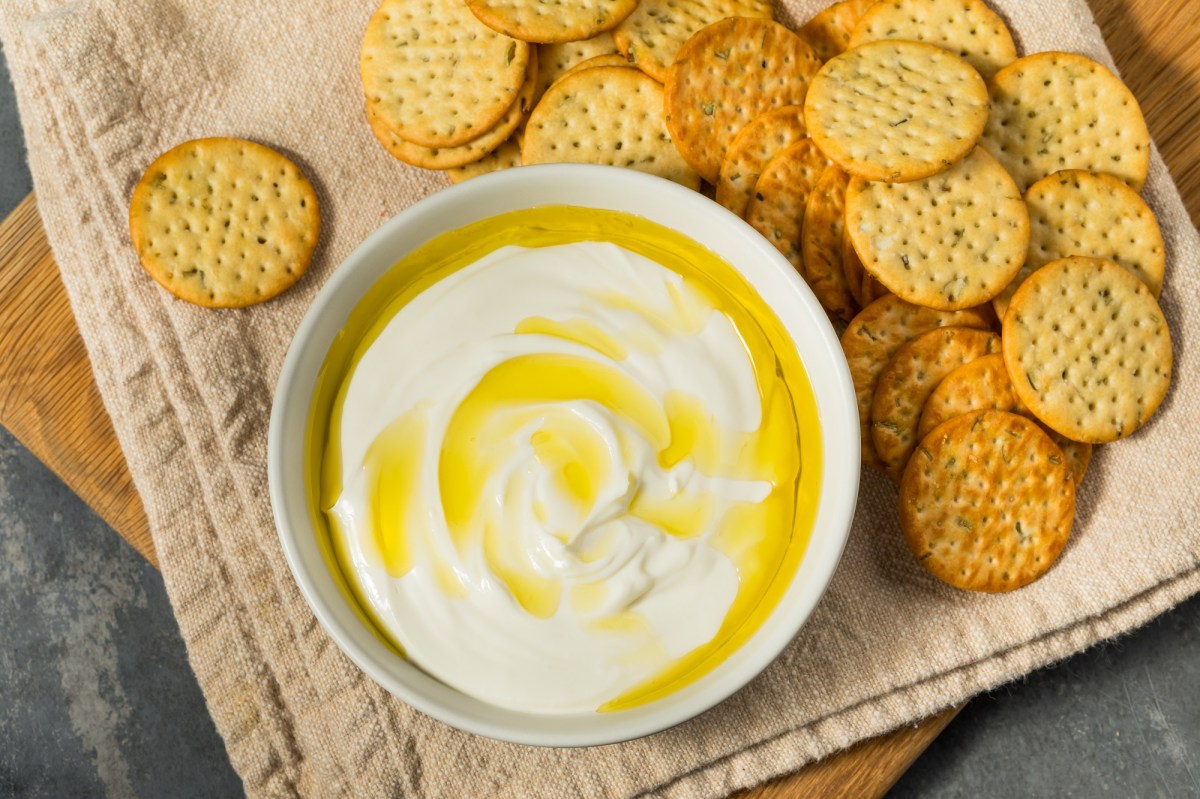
(106,85)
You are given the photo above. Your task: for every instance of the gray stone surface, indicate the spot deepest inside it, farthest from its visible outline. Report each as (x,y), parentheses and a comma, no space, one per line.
(1120,720)
(96,696)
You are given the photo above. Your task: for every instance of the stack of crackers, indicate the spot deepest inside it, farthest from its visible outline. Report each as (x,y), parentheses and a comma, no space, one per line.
(973,216)
(980,228)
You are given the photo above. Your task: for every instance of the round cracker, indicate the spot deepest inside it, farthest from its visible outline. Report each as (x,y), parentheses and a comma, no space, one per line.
(967,28)
(981,385)
(605,115)
(781,196)
(821,243)
(551,21)
(474,150)
(1088,349)
(653,34)
(1079,454)
(1083,213)
(908,380)
(978,385)
(1054,111)
(506,156)
(828,33)
(751,149)
(724,77)
(607,60)
(555,59)
(852,265)
(872,289)
(223,222)
(435,74)
(896,111)
(951,241)
(874,336)
(987,502)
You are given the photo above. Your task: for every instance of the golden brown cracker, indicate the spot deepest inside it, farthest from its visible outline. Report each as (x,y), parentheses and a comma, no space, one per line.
(951,241)
(224,223)
(781,196)
(435,74)
(652,35)
(896,111)
(978,385)
(907,381)
(821,244)
(751,149)
(872,289)
(1054,111)
(987,502)
(874,336)
(852,267)
(725,76)
(605,115)
(828,33)
(1079,454)
(1088,349)
(983,384)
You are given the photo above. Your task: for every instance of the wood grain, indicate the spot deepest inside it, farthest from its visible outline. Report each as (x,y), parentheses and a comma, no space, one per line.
(867,769)
(48,398)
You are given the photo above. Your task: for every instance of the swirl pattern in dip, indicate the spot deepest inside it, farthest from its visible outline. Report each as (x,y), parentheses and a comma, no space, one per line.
(568,458)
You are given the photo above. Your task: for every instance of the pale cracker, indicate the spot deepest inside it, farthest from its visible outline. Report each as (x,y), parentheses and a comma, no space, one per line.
(987,502)
(551,21)
(967,28)
(608,60)
(954,240)
(555,59)
(1054,111)
(821,244)
(506,156)
(751,149)
(224,223)
(1083,213)
(652,35)
(896,111)
(474,150)
(875,334)
(828,33)
(1088,349)
(908,380)
(606,115)
(435,74)
(724,77)
(781,196)
(981,385)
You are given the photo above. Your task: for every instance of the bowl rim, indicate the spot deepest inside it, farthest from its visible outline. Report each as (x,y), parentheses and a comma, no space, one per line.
(664,203)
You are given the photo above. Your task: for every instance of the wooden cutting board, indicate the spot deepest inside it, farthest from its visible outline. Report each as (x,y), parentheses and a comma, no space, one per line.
(49,399)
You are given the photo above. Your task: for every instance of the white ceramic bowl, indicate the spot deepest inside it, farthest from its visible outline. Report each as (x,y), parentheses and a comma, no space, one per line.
(597,187)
